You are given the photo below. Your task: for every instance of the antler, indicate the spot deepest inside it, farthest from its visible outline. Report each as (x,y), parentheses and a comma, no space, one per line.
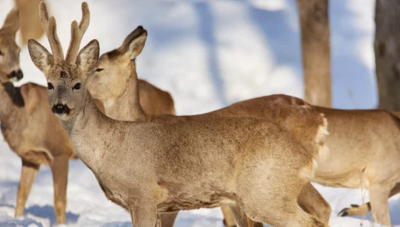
(50,28)
(77,33)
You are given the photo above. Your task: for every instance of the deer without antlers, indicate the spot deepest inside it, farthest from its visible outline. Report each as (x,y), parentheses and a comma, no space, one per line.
(28,125)
(114,68)
(152,164)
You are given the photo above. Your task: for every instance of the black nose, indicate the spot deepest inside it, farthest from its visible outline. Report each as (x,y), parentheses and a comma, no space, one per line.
(59,109)
(19,75)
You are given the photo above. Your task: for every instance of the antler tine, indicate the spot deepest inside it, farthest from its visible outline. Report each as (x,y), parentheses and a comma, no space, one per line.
(77,33)
(50,28)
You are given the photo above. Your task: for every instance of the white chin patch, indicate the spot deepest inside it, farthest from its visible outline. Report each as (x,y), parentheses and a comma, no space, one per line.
(14,79)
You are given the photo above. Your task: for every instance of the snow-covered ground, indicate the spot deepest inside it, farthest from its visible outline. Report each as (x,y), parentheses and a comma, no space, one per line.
(208,54)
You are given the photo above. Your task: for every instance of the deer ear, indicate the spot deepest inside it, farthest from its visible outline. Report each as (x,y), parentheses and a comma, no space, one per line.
(12,21)
(134,43)
(42,59)
(88,57)
(31,97)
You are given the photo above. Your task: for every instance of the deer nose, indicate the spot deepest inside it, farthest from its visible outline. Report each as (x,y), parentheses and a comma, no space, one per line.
(19,74)
(59,109)
(16,75)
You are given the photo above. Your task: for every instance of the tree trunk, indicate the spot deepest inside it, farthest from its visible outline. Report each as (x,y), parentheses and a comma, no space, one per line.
(387,53)
(29,17)
(315,47)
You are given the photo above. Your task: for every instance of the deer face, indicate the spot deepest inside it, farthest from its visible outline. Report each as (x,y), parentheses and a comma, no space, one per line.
(66,78)
(114,69)
(9,51)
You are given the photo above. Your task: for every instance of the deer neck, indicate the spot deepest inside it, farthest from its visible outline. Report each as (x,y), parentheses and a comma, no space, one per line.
(11,101)
(126,107)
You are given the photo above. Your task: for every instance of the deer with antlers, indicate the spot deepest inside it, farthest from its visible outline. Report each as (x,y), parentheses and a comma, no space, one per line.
(23,111)
(152,165)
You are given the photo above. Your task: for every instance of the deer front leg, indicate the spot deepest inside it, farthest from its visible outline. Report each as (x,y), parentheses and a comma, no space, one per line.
(379,195)
(28,175)
(168,219)
(229,221)
(59,168)
(144,215)
(313,203)
(241,218)
(366,207)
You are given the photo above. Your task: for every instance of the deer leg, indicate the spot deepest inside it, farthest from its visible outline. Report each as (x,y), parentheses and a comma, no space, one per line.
(28,175)
(366,207)
(168,219)
(379,195)
(313,203)
(144,215)
(241,218)
(229,221)
(59,168)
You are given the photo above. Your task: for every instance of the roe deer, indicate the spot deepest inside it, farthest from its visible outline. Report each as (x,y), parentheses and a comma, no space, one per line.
(24,111)
(294,114)
(28,125)
(364,152)
(153,165)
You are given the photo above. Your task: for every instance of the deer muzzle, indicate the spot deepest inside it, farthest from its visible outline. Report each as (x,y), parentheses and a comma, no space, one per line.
(60,109)
(15,75)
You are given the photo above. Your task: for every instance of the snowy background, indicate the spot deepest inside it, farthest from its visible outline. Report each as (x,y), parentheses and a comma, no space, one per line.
(208,54)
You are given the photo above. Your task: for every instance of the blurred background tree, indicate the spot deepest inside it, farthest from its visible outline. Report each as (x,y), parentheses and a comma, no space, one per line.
(29,16)
(387,53)
(315,45)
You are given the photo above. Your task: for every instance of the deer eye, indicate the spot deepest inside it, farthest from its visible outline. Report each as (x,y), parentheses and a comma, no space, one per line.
(77,86)
(50,86)
(99,70)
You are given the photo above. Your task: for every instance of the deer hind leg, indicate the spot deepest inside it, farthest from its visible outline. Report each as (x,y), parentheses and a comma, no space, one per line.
(28,175)
(313,203)
(366,207)
(379,196)
(168,219)
(59,168)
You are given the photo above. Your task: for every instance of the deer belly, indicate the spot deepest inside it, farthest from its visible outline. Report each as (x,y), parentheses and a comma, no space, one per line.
(186,202)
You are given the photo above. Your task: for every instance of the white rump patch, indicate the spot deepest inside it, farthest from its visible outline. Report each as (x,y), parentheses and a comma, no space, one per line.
(322,133)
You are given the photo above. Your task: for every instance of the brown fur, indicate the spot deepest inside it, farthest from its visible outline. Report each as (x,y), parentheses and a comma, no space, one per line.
(292,113)
(145,165)
(364,144)
(50,145)
(23,111)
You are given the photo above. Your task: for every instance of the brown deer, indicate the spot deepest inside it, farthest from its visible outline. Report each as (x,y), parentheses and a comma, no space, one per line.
(43,148)
(28,125)
(152,165)
(290,112)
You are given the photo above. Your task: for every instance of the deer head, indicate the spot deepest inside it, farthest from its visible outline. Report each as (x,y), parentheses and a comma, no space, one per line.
(116,67)
(66,76)
(9,51)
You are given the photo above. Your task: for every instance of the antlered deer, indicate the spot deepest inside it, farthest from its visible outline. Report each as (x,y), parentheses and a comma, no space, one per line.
(153,165)
(31,129)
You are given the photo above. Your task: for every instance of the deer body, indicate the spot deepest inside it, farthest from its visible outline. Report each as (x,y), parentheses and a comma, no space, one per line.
(148,165)
(301,119)
(34,134)
(368,135)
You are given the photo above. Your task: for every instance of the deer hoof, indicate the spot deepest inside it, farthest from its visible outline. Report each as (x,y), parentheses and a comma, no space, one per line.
(343,213)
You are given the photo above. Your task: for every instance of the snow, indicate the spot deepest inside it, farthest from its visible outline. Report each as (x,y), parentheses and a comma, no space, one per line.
(208,54)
